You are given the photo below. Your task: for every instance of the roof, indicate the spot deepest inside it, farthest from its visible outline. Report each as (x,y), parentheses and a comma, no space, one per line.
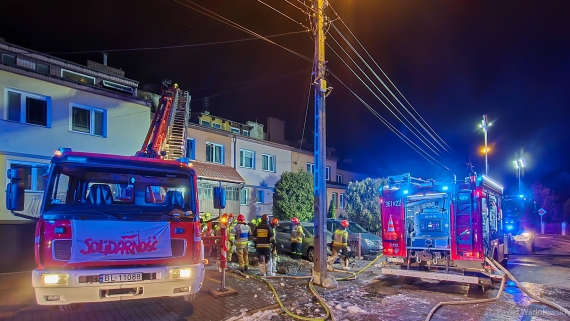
(217,172)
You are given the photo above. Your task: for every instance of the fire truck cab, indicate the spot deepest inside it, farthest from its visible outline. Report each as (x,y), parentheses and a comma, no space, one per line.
(442,225)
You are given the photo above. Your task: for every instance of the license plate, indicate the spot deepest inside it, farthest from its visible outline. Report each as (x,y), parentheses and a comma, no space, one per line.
(396,259)
(120,277)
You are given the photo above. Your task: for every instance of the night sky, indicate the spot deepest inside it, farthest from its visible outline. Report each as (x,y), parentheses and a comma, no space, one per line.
(452,60)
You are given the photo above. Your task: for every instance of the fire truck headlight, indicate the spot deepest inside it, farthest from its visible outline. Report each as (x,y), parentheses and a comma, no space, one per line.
(180,273)
(55,279)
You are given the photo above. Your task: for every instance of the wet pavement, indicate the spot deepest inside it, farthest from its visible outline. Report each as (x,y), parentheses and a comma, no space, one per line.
(372,296)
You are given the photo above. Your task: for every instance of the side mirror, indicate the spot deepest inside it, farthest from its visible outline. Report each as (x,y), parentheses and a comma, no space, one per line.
(15,191)
(219,197)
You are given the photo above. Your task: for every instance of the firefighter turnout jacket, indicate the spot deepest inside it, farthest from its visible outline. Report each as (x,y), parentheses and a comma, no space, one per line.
(296,234)
(263,235)
(340,238)
(241,232)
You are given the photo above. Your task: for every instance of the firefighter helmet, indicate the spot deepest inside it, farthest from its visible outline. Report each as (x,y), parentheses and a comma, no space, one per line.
(344,223)
(241,218)
(295,220)
(265,218)
(274,221)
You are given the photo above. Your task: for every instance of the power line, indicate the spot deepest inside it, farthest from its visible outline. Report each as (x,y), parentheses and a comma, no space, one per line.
(172,47)
(406,140)
(247,82)
(286,16)
(385,105)
(385,97)
(231,91)
(437,138)
(222,19)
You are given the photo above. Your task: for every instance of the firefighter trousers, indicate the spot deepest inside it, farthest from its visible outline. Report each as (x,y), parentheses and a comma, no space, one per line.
(243,257)
(343,257)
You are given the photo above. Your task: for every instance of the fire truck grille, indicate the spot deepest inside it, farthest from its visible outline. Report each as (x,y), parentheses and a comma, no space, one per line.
(62,248)
(178,247)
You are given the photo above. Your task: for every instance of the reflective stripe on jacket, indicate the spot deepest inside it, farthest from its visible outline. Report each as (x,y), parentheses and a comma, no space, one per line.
(263,235)
(241,232)
(340,238)
(296,234)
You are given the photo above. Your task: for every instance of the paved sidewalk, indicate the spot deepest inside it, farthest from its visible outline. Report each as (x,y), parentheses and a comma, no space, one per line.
(17,302)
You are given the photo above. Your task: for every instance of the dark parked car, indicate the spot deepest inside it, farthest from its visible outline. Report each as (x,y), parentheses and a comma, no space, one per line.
(283,231)
(370,244)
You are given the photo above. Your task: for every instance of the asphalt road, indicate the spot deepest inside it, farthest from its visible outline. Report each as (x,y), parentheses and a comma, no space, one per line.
(548,265)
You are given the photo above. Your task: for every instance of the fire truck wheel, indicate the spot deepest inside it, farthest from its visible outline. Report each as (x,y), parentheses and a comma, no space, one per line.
(70,307)
(191,297)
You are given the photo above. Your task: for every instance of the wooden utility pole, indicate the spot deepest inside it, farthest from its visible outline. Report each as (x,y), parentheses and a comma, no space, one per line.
(320,85)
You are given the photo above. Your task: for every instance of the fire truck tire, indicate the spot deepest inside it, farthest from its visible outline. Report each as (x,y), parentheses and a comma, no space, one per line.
(70,307)
(191,297)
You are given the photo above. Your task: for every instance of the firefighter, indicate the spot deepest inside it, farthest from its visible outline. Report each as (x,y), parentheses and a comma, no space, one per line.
(205,219)
(296,238)
(241,232)
(263,237)
(230,235)
(339,245)
(272,264)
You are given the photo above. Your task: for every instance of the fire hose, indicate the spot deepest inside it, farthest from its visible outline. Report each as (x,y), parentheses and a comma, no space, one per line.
(497,266)
(287,311)
(311,289)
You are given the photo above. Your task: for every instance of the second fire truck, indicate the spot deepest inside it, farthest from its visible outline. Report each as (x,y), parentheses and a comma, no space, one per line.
(445,226)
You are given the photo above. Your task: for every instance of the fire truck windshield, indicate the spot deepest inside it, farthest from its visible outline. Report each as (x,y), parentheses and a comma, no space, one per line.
(113,190)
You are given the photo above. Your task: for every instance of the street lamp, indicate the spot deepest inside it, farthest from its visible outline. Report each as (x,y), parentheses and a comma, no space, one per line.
(485,125)
(519,164)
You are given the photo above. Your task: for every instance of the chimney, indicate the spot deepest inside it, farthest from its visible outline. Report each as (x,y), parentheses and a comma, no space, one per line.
(275,130)
(105,58)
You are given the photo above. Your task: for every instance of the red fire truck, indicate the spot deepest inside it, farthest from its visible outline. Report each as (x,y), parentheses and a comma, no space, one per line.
(446,226)
(118,227)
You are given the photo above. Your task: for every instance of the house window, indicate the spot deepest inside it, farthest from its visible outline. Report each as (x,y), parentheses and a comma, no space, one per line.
(334,200)
(34,180)
(244,196)
(28,108)
(339,178)
(259,196)
(328,173)
(8,59)
(116,86)
(87,120)
(190,149)
(75,76)
(341,201)
(205,123)
(214,153)
(232,193)
(42,69)
(247,158)
(311,168)
(216,126)
(246,132)
(205,191)
(268,163)
(234,130)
